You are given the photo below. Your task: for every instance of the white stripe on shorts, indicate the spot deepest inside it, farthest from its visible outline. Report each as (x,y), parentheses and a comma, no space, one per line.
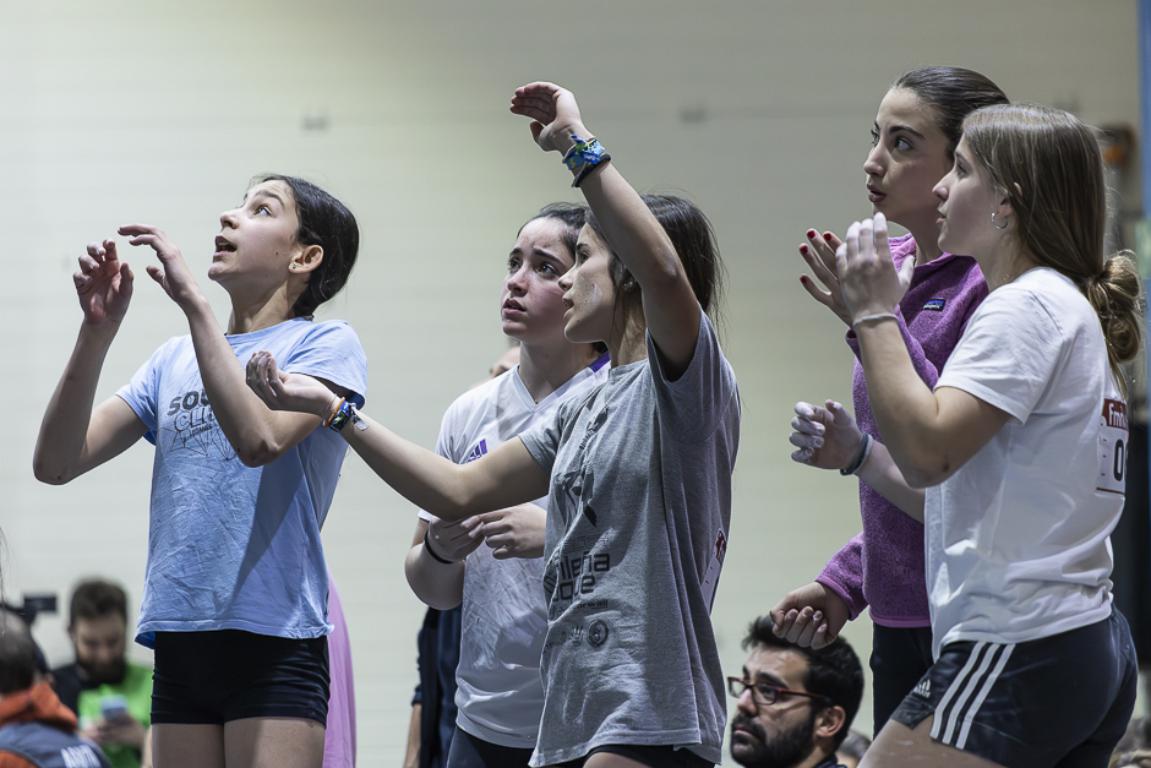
(957,709)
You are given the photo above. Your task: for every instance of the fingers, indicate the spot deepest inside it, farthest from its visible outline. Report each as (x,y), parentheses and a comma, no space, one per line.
(803,455)
(879,228)
(821,246)
(866,237)
(156,274)
(907,270)
(823,297)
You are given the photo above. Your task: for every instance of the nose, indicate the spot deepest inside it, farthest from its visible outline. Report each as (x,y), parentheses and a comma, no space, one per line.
(746,702)
(228,219)
(516,281)
(940,189)
(873,165)
(566,279)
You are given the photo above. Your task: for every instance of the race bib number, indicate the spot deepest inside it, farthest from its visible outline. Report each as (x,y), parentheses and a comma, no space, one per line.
(1113,437)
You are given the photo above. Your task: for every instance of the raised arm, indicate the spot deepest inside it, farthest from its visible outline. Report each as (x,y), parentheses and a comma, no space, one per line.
(633,233)
(258,434)
(505,477)
(74,437)
(930,434)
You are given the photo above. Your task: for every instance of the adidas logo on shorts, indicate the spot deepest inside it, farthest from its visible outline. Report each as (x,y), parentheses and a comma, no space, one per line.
(923,688)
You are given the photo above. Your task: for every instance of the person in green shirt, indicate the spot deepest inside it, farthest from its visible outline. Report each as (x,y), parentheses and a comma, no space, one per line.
(111,696)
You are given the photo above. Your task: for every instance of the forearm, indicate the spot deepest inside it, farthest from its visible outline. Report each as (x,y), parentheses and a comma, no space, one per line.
(447,490)
(258,434)
(60,446)
(412,753)
(905,409)
(881,473)
(438,585)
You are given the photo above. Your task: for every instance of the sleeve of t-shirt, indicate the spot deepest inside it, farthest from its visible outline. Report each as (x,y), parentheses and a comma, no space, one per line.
(332,351)
(142,390)
(543,439)
(694,402)
(1007,355)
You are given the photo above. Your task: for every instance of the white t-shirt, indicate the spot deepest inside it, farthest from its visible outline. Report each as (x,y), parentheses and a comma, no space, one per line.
(499,691)
(1017,539)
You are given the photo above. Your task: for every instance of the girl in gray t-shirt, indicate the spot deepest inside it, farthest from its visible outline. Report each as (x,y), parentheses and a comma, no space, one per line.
(638,473)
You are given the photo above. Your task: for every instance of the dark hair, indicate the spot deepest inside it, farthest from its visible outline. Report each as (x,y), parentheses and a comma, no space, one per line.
(95,599)
(1048,165)
(954,93)
(572,215)
(833,671)
(326,222)
(17,654)
(694,241)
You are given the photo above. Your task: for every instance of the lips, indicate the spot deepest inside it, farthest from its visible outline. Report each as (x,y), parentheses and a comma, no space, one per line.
(224,245)
(874,194)
(513,304)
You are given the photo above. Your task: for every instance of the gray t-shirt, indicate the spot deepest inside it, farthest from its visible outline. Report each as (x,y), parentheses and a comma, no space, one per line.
(639,509)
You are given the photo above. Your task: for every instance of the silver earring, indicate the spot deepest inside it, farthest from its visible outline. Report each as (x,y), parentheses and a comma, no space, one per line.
(995,222)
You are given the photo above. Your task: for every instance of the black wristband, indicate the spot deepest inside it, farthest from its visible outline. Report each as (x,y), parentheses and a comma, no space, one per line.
(860,457)
(432,552)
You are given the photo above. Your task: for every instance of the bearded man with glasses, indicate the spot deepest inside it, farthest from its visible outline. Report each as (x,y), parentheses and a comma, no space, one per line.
(794,705)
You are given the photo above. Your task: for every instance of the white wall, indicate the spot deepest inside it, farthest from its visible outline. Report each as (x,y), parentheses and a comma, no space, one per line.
(128,110)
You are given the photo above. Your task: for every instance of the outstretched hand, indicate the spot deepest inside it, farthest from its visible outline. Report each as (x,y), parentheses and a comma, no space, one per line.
(282,391)
(172,274)
(869,282)
(827,437)
(553,112)
(819,253)
(453,540)
(103,284)
(513,532)
(810,617)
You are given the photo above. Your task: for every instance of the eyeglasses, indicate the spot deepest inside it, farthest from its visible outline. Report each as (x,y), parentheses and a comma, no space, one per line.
(766,694)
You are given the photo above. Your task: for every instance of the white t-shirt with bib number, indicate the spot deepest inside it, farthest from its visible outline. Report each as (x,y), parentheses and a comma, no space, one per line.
(1017,539)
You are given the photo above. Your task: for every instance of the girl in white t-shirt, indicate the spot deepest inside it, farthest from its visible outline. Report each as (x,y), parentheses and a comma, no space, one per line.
(499,694)
(1021,447)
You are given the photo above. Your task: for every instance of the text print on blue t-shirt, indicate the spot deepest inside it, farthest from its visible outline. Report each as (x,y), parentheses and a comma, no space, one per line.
(193,425)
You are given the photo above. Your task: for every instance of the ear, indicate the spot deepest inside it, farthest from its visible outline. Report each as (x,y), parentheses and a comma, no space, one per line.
(830,721)
(307,260)
(1005,208)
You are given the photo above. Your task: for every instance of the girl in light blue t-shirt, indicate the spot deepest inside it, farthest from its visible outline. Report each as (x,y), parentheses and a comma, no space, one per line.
(235,595)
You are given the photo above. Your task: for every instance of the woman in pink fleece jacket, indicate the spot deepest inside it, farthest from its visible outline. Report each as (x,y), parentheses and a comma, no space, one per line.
(916,130)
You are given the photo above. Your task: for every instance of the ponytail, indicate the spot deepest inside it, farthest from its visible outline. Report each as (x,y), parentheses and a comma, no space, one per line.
(1116,296)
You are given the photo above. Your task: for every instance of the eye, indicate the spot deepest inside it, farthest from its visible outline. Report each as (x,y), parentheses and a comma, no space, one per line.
(547,269)
(902,144)
(263,210)
(874,137)
(513,264)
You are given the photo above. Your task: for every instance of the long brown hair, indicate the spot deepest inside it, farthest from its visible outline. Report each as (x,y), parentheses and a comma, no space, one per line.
(1049,166)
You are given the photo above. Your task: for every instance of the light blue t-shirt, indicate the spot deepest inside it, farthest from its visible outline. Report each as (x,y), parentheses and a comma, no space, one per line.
(230,546)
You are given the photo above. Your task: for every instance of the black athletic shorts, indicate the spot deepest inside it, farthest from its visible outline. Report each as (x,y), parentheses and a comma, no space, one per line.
(216,677)
(1060,701)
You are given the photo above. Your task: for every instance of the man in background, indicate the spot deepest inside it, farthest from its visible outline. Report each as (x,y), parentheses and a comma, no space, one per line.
(111,696)
(794,705)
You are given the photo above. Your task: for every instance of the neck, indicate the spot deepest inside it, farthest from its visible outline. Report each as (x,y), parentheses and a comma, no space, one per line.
(259,312)
(1005,264)
(545,368)
(628,342)
(926,237)
(818,756)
